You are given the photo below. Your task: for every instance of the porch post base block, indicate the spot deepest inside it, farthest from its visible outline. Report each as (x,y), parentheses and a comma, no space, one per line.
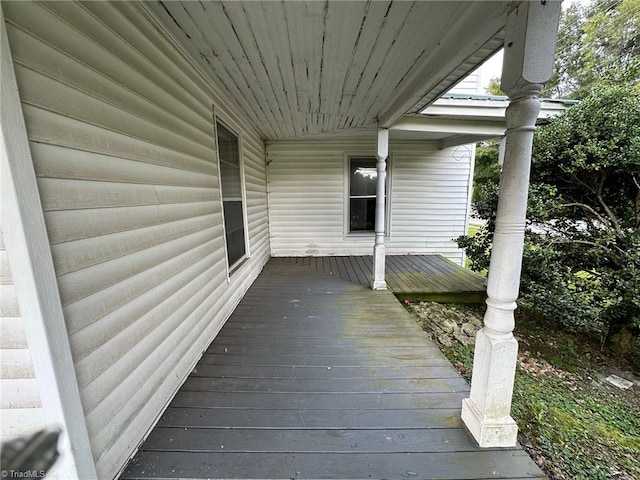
(488,432)
(379,282)
(486,412)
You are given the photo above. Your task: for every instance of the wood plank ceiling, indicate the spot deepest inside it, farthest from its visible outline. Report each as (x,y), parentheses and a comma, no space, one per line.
(304,68)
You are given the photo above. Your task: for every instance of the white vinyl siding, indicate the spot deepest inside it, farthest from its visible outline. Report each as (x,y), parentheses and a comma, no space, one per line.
(428,201)
(470,85)
(20,404)
(122,137)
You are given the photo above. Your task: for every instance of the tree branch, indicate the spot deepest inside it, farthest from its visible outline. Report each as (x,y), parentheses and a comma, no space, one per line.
(588,208)
(637,212)
(577,179)
(612,253)
(612,216)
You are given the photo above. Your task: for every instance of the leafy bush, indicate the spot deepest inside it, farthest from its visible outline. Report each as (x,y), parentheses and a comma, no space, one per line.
(487,170)
(581,262)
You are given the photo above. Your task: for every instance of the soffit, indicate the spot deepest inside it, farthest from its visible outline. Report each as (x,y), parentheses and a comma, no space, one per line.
(305,68)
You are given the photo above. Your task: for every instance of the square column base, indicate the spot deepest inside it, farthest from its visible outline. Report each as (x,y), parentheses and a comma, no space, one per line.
(488,432)
(379,282)
(486,412)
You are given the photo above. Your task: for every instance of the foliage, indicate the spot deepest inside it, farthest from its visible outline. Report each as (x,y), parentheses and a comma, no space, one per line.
(486,167)
(494,87)
(586,432)
(597,43)
(581,263)
(589,162)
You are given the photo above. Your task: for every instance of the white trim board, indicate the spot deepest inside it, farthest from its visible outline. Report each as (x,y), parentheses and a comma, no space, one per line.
(35,281)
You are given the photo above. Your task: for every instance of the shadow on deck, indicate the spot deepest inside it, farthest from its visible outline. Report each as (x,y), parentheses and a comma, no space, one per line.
(415,277)
(317,377)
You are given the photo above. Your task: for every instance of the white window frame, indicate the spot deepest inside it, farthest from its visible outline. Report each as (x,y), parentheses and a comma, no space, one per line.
(370,235)
(231,268)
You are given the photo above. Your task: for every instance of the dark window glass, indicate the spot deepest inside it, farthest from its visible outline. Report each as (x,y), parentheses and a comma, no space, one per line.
(363,178)
(229,154)
(363,214)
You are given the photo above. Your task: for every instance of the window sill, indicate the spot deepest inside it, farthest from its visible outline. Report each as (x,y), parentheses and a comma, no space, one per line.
(364,236)
(236,266)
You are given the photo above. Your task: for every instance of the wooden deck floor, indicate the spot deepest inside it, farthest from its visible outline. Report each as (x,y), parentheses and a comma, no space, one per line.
(317,377)
(406,275)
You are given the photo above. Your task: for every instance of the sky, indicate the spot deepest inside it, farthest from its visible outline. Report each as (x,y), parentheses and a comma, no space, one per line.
(492,68)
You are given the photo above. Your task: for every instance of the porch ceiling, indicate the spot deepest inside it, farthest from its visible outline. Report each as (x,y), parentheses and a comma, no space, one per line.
(305,68)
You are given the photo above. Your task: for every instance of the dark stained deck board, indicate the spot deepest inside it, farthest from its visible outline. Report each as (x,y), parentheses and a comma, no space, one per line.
(259,440)
(255,345)
(314,376)
(468,280)
(337,385)
(346,343)
(413,278)
(446,274)
(408,274)
(291,372)
(317,401)
(307,419)
(351,271)
(443,277)
(366,267)
(322,465)
(328,360)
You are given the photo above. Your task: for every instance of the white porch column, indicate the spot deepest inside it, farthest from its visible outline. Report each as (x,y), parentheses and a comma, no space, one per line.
(382,153)
(529,46)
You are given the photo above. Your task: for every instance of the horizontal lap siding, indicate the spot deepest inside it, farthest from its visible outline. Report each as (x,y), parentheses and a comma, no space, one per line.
(470,85)
(429,198)
(306,197)
(121,134)
(20,403)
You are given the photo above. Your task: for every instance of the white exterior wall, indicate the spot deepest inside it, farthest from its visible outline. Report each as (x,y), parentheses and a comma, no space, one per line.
(429,198)
(120,129)
(470,85)
(20,403)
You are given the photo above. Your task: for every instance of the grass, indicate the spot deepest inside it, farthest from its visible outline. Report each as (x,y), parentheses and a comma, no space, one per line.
(573,425)
(473,229)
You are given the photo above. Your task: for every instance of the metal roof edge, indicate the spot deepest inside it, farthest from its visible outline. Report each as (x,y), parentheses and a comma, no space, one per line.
(498,98)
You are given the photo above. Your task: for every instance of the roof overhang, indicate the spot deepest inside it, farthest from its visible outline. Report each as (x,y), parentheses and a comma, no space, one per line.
(295,69)
(462,119)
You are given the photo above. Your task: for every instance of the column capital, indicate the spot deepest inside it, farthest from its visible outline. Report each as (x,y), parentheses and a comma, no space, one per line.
(529,46)
(383,143)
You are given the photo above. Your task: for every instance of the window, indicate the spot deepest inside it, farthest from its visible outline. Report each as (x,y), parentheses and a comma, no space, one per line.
(231,184)
(363,178)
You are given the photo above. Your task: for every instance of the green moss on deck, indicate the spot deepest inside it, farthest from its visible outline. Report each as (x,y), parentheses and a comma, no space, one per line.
(415,277)
(444,297)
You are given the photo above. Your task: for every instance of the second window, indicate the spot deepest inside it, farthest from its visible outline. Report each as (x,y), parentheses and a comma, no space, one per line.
(363,178)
